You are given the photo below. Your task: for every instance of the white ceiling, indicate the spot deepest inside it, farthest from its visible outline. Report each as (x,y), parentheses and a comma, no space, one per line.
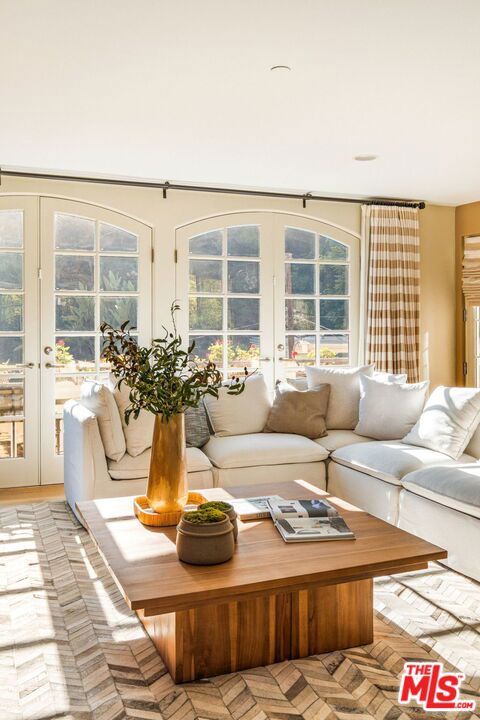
(181,90)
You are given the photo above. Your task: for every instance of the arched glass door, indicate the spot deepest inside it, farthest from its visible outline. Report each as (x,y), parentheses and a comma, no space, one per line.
(316,295)
(95,267)
(225,287)
(269,291)
(65,267)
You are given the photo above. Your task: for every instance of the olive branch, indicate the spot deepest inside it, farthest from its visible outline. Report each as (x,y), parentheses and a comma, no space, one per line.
(163,379)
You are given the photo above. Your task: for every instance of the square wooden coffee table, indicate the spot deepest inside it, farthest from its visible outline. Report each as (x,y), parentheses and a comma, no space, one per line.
(273,601)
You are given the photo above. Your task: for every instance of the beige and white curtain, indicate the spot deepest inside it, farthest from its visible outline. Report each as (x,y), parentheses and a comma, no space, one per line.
(471,270)
(391,288)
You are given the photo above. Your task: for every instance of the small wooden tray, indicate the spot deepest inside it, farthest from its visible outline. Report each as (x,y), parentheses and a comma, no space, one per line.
(148,516)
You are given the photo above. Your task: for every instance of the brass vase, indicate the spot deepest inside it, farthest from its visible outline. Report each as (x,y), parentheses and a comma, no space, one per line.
(167,478)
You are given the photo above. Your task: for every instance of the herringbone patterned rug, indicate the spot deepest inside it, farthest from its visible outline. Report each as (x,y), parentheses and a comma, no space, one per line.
(71,648)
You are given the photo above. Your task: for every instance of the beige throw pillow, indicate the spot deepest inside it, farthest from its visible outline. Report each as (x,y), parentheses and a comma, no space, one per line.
(300,412)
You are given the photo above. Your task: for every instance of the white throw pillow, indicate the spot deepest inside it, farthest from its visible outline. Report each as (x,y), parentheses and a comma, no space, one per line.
(138,432)
(342,413)
(448,421)
(389,410)
(240,414)
(390,377)
(98,398)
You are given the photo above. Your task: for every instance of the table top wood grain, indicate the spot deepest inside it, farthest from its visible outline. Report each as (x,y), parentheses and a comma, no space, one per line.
(144,563)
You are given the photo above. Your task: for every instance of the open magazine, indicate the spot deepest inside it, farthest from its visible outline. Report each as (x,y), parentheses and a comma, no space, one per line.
(306,520)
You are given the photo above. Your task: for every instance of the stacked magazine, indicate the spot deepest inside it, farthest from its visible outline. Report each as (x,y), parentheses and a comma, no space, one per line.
(253,508)
(306,520)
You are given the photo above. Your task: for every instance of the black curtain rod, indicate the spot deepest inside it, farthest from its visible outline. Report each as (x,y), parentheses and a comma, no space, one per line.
(165,186)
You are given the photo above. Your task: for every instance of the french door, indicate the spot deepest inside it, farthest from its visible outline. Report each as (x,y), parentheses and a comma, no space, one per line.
(81,265)
(224,284)
(269,291)
(19,340)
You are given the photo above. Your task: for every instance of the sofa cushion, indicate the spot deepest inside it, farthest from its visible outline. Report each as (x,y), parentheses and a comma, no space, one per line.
(342,413)
(139,431)
(240,414)
(98,398)
(301,412)
(455,486)
(262,449)
(134,468)
(391,460)
(389,410)
(340,438)
(448,421)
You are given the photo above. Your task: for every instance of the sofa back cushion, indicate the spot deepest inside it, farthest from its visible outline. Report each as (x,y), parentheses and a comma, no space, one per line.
(240,414)
(139,432)
(448,421)
(300,412)
(389,410)
(98,398)
(342,413)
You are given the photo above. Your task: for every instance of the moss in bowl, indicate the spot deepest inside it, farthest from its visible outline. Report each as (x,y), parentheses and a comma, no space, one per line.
(224,507)
(203,516)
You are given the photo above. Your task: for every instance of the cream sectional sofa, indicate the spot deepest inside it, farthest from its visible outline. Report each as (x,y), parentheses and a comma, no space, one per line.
(243,459)
(423,491)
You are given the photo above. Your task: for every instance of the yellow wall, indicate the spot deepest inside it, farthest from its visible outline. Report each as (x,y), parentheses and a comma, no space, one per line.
(467,222)
(437,294)
(436,230)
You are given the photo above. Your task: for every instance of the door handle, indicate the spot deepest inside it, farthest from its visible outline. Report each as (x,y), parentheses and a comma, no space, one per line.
(264,359)
(50,365)
(24,365)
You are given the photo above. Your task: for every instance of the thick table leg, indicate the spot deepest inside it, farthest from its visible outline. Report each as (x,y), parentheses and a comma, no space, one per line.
(332,617)
(216,639)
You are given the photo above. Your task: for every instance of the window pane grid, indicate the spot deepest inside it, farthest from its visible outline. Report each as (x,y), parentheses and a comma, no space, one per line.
(12,333)
(212,324)
(109,291)
(317,325)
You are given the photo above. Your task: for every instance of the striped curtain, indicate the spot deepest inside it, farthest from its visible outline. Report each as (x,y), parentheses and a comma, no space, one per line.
(392,333)
(471,270)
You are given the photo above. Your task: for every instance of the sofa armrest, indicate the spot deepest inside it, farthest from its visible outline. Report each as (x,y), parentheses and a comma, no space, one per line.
(84,457)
